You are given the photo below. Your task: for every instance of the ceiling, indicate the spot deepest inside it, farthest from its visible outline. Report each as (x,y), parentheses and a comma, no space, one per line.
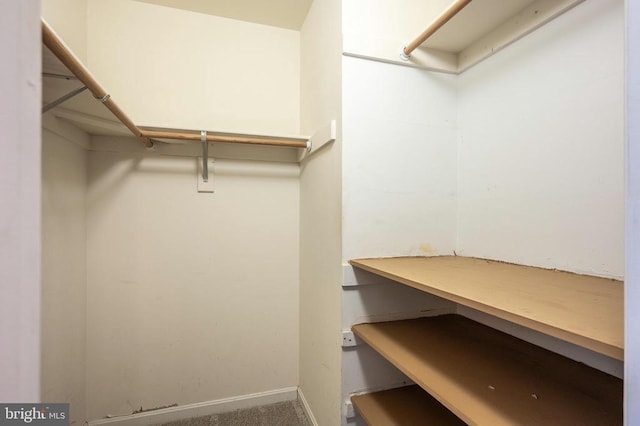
(288,14)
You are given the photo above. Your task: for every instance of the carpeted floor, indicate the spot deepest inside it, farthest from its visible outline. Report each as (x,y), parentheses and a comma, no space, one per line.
(288,413)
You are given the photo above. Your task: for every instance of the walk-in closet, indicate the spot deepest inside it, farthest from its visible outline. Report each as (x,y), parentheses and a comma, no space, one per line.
(327,212)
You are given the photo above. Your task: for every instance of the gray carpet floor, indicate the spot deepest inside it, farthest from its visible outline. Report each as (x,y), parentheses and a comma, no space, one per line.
(288,413)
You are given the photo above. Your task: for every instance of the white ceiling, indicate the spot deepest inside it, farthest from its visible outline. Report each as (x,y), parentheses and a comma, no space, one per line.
(277,13)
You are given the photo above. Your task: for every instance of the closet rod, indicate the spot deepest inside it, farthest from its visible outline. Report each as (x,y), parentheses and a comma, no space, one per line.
(293,143)
(62,52)
(444,17)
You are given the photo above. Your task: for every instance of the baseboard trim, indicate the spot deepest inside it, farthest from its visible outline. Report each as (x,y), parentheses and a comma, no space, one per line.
(307,408)
(200,409)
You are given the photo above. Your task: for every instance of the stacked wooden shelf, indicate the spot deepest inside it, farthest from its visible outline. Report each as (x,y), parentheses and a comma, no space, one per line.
(485,376)
(409,405)
(585,310)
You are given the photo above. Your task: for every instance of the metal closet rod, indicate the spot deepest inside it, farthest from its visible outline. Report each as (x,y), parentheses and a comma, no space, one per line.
(62,52)
(444,17)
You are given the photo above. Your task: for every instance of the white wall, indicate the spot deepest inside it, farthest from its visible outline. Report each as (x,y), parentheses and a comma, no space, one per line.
(20,200)
(400,20)
(399,176)
(399,161)
(399,197)
(191,296)
(541,152)
(64,270)
(320,215)
(632,273)
(69,19)
(172,68)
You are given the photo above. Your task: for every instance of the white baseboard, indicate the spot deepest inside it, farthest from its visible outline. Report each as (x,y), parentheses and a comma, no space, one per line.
(200,409)
(306,407)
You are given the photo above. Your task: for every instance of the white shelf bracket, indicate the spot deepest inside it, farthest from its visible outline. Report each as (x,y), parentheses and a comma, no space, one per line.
(349,339)
(320,138)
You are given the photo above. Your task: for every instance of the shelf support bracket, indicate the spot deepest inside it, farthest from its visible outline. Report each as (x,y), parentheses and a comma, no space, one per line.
(320,138)
(204,183)
(62,99)
(205,156)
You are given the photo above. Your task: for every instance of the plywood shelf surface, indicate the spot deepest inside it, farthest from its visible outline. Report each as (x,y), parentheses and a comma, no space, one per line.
(406,406)
(487,377)
(585,310)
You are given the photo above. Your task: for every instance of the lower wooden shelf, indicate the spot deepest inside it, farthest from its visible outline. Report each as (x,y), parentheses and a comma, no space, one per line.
(487,377)
(406,406)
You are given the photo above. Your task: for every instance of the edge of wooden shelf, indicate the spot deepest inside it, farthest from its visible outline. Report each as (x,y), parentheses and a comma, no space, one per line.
(405,406)
(485,376)
(581,309)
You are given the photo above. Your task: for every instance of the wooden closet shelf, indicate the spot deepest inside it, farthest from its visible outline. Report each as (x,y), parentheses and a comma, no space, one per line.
(406,406)
(487,377)
(585,310)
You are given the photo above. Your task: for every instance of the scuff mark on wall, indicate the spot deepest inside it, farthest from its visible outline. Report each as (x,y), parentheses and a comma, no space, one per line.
(428,249)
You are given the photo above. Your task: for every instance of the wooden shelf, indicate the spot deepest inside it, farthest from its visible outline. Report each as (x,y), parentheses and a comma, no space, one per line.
(585,310)
(490,378)
(406,406)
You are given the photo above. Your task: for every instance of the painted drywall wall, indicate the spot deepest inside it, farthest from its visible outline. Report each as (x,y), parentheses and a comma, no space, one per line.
(541,151)
(399,161)
(64,271)
(69,19)
(399,198)
(320,215)
(180,69)
(632,273)
(20,199)
(399,21)
(399,185)
(191,297)
(277,13)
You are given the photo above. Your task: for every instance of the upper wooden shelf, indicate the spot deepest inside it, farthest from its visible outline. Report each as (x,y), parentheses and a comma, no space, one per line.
(585,310)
